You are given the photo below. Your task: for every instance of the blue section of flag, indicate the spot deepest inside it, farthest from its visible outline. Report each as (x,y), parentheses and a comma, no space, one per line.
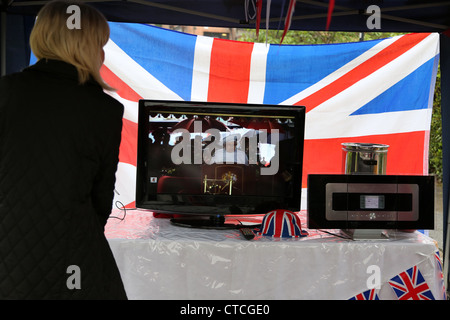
(167,55)
(293,68)
(405,94)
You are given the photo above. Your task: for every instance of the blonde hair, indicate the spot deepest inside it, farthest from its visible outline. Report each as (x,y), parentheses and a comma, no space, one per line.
(82,46)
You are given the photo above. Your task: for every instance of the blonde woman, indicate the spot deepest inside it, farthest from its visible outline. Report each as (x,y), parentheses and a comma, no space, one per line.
(59,146)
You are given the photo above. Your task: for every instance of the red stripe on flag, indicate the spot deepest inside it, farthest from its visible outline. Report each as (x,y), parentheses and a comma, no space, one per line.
(123,90)
(405,154)
(128,145)
(131,205)
(360,297)
(229,74)
(366,68)
(279,225)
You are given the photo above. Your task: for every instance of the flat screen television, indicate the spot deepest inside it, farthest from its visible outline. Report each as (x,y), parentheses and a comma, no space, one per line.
(201,162)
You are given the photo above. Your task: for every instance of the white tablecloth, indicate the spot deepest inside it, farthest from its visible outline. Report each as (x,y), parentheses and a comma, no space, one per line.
(160,261)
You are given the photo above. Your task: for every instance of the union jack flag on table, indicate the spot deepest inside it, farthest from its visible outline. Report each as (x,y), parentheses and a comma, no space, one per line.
(375,91)
(441,279)
(411,285)
(370,294)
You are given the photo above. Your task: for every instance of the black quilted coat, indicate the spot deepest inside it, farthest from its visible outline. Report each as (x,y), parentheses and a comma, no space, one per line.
(59,145)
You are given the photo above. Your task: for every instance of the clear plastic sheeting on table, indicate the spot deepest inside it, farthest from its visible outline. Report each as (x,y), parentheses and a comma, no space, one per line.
(158,260)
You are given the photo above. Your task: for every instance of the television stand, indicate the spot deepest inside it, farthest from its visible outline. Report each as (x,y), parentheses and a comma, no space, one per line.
(206,222)
(367,234)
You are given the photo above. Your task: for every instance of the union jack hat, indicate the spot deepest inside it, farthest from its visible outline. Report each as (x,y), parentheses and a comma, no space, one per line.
(282,223)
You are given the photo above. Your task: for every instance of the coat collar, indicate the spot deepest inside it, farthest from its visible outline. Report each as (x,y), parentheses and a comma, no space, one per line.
(59,68)
(55,66)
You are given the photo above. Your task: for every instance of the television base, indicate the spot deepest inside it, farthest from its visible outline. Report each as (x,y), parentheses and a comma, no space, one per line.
(367,234)
(211,222)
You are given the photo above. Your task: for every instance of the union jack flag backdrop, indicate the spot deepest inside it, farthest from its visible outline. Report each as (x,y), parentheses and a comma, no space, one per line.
(374,91)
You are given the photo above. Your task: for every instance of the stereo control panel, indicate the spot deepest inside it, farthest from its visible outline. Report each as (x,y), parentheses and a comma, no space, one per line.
(370,201)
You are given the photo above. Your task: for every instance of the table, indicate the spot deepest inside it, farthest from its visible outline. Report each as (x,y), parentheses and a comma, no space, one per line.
(158,260)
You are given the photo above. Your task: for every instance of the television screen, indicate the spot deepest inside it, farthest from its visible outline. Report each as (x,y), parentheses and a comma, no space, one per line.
(218,159)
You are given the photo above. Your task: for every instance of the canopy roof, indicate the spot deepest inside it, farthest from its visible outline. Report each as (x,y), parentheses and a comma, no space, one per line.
(347,15)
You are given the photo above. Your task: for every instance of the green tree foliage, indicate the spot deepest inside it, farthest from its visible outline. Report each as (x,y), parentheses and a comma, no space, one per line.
(324,37)
(310,37)
(435,153)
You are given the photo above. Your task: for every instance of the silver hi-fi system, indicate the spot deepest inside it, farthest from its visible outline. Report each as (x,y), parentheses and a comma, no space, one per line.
(365,202)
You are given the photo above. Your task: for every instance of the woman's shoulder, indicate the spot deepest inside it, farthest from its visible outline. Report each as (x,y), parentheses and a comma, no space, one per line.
(110,101)
(103,102)
(11,84)
(7,80)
